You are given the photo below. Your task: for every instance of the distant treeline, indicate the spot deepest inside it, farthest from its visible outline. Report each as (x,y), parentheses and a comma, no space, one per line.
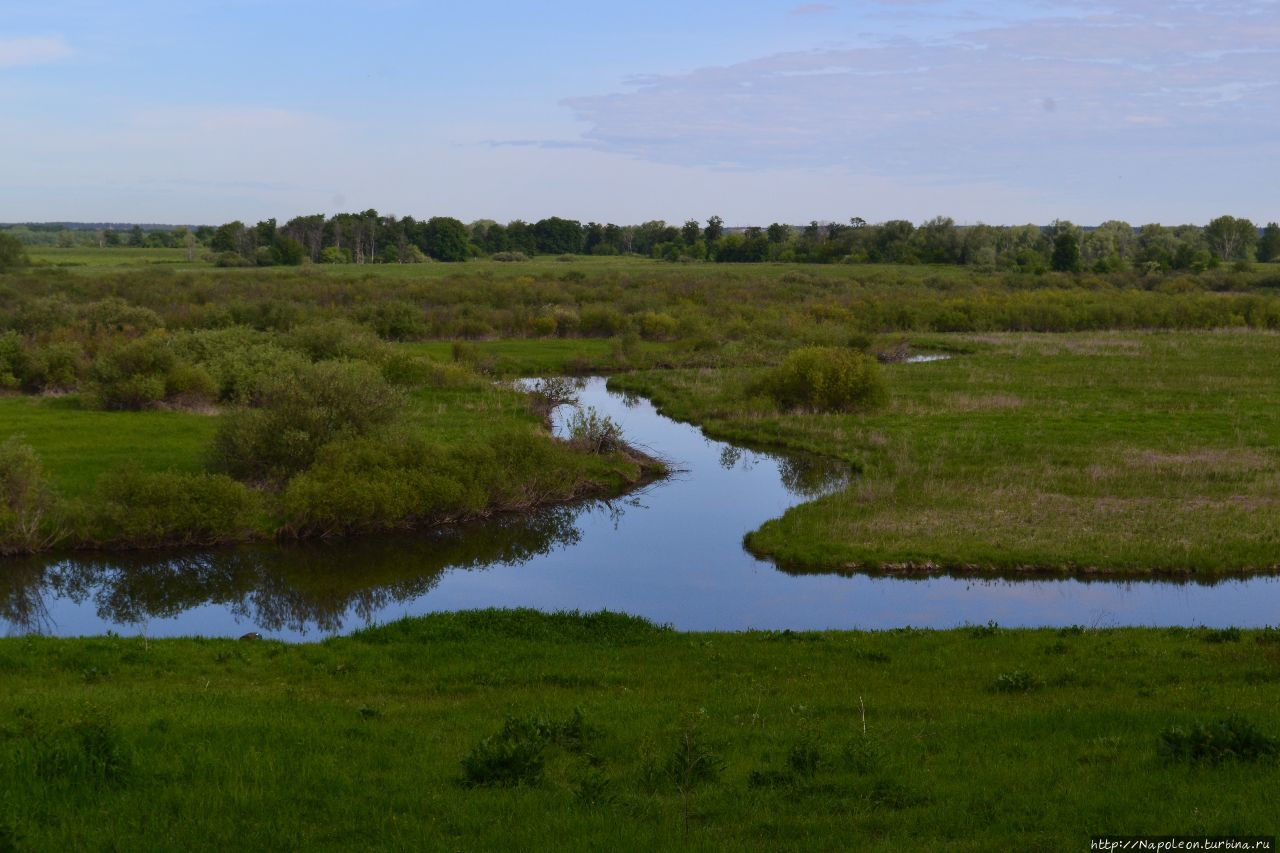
(370,237)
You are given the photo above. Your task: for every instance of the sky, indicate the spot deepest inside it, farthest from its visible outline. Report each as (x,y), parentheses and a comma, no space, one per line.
(203,112)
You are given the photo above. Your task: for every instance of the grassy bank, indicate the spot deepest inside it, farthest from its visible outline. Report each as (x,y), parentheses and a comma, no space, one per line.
(1113,452)
(633,737)
(129,479)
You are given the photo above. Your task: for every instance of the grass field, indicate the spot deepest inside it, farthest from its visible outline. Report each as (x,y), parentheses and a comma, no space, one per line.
(631,737)
(1112,452)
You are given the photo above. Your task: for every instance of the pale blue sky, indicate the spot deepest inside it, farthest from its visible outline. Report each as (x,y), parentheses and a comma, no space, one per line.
(758,111)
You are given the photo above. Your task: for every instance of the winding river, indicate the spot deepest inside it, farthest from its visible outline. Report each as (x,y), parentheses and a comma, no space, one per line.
(672,553)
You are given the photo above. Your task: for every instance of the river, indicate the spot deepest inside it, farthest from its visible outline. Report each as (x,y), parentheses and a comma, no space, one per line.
(672,553)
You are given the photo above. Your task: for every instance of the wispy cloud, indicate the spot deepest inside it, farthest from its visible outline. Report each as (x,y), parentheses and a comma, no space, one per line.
(813,9)
(1081,80)
(32,50)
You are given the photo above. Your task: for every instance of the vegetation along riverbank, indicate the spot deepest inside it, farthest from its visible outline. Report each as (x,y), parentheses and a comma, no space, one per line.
(1110,421)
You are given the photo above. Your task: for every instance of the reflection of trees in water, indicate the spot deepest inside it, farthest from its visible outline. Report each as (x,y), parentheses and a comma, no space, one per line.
(22,605)
(809,476)
(802,474)
(295,587)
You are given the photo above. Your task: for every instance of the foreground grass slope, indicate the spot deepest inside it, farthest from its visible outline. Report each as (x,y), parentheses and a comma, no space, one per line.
(634,737)
(1109,452)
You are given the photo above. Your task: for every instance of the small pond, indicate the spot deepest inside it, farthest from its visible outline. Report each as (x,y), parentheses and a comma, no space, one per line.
(672,553)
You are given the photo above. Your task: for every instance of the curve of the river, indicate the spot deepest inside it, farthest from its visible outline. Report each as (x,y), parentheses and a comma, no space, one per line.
(672,554)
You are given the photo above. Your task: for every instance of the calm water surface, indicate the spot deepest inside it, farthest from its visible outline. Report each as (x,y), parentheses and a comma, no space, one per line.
(673,554)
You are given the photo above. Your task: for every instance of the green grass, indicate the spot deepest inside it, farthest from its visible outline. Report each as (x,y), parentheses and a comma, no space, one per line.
(78,444)
(839,740)
(1109,452)
(92,259)
(525,357)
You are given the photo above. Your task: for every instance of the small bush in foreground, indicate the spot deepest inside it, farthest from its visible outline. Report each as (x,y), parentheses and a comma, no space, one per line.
(1233,738)
(825,379)
(514,756)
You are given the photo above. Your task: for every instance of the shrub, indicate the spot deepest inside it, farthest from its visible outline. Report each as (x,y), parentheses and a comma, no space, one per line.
(826,379)
(144,510)
(14,362)
(57,366)
(509,257)
(240,361)
(132,375)
(298,415)
(369,484)
(27,502)
(515,755)
(592,432)
(395,320)
(334,339)
(12,253)
(231,259)
(1230,739)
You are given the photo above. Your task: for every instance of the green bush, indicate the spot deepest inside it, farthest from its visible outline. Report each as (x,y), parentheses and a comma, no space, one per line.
(333,339)
(515,755)
(139,509)
(55,367)
(27,503)
(132,375)
(592,432)
(509,257)
(826,379)
(1233,738)
(12,253)
(300,413)
(363,484)
(240,360)
(15,364)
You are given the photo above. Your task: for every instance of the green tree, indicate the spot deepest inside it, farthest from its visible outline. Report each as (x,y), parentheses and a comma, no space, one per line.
(1066,252)
(713,232)
(556,236)
(1231,239)
(1269,245)
(446,239)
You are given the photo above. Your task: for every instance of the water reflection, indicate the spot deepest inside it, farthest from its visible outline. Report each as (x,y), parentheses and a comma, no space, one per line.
(297,589)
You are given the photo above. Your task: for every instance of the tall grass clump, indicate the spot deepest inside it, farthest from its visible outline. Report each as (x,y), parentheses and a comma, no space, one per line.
(825,379)
(27,503)
(1233,738)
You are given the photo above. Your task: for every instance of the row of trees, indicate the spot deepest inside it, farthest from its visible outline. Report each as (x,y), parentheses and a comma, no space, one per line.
(371,237)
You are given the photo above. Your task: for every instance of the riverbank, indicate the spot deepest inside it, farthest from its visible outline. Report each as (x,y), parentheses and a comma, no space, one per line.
(82,479)
(634,737)
(1106,454)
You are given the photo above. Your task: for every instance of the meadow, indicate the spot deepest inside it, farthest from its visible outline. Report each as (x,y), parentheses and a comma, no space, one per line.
(1105,453)
(1118,424)
(564,731)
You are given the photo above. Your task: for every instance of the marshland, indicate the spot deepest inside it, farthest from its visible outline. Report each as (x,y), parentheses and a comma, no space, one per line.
(763,581)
